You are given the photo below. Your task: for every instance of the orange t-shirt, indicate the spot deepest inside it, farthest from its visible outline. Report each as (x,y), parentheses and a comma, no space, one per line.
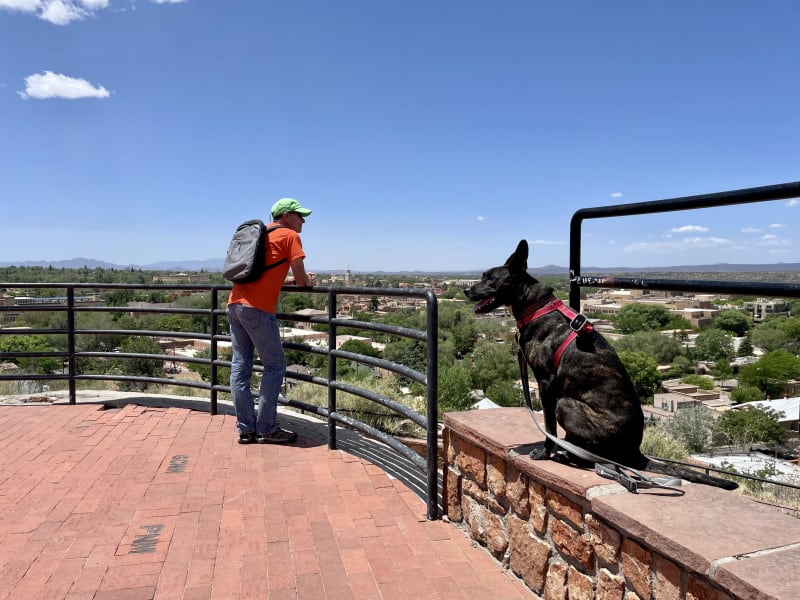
(263,294)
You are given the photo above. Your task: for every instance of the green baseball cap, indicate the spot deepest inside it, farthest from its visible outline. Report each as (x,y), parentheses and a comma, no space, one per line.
(287,205)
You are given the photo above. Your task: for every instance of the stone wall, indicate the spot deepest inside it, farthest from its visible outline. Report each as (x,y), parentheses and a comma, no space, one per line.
(570,534)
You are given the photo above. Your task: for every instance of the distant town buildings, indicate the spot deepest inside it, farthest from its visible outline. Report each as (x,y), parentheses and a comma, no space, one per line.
(675,396)
(762,308)
(698,310)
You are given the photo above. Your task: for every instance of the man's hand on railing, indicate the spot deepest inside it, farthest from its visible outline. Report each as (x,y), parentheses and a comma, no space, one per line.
(310,277)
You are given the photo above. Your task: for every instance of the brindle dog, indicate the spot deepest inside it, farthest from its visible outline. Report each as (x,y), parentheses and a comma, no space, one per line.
(583,385)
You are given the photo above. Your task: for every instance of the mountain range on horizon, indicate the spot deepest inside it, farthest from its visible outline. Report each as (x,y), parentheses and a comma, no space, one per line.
(215,265)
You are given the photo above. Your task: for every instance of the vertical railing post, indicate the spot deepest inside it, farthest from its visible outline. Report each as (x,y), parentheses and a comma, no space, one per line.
(331,369)
(213,350)
(433,406)
(575,261)
(71,362)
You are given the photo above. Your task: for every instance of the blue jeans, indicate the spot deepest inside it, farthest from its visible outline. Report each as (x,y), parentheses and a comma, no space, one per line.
(253,329)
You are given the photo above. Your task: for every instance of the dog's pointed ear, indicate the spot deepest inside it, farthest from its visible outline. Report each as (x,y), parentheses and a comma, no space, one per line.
(519,260)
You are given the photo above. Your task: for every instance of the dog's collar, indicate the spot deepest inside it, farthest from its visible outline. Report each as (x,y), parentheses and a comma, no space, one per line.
(578,323)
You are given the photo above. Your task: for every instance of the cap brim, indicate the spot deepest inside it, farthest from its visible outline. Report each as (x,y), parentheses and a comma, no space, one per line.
(303,212)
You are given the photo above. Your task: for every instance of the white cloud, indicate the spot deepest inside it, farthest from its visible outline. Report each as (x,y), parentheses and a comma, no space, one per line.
(793,202)
(682,245)
(777,225)
(547,242)
(64,12)
(616,195)
(689,229)
(773,241)
(26,6)
(60,12)
(751,230)
(54,85)
(480,218)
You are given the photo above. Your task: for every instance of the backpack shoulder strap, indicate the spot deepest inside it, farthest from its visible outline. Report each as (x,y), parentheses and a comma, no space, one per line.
(281,261)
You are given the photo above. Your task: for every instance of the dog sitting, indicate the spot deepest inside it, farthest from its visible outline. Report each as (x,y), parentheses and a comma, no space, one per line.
(584,387)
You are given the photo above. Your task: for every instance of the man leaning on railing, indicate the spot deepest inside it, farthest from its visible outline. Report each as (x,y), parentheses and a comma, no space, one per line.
(254,326)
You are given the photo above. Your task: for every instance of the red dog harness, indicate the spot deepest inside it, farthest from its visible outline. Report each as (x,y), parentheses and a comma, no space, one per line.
(578,323)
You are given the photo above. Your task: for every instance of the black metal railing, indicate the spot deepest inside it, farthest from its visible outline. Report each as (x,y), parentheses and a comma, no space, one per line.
(783,191)
(72,305)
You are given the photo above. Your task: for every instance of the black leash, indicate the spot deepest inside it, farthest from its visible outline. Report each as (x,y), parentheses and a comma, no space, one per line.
(631,479)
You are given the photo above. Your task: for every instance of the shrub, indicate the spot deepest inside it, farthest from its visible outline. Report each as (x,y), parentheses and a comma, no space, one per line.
(659,442)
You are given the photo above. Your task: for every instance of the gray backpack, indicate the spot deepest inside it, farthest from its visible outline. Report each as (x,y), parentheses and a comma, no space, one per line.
(247,252)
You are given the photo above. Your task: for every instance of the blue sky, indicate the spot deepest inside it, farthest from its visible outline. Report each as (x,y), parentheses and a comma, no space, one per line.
(424,135)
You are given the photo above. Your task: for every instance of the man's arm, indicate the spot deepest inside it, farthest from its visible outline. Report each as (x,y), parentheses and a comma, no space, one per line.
(301,278)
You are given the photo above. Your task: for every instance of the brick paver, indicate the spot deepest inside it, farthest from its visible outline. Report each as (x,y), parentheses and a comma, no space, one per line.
(140,503)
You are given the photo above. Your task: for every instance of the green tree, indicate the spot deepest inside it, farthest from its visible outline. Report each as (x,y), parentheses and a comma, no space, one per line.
(140,367)
(734,321)
(662,348)
(360,347)
(405,317)
(746,393)
(295,301)
(791,327)
(680,367)
(297,357)
(778,333)
(505,392)
(640,317)
(693,427)
(97,342)
(771,372)
(455,385)
(747,426)
(410,353)
(457,325)
(745,347)
(345,367)
(723,370)
(198,322)
(643,371)
(492,362)
(175,323)
(713,345)
(204,369)
(682,326)
(769,338)
(31,343)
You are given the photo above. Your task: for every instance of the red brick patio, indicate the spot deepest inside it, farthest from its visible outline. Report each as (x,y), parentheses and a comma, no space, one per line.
(139,502)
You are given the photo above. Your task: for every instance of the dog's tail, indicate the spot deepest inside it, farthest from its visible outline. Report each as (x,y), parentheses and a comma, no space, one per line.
(688,474)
